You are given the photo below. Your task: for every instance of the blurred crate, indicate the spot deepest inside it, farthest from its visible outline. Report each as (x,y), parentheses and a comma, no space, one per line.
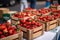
(18,36)
(5,10)
(30,34)
(14,20)
(50,25)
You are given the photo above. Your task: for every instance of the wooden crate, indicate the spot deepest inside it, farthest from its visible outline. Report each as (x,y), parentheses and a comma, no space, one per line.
(58,7)
(1,14)
(12,12)
(50,25)
(14,20)
(30,34)
(46,14)
(53,6)
(18,36)
(5,10)
(59,22)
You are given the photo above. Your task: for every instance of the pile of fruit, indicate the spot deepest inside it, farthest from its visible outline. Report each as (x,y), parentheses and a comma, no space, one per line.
(6,30)
(54,7)
(29,14)
(28,9)
(44,11)
(32,13)
(48,18)
(24,15)
(29,23)
(57,15)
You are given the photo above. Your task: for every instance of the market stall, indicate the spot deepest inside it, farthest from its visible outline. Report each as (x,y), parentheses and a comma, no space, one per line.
(41,24)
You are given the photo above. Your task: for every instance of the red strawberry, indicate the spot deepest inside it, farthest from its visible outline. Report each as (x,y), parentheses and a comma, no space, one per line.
(14,32)
(1,33)
(5,30)
(29,22)
(33,22)
(20,16)
(10,31)
(24,25)
(3,26)
(28,27)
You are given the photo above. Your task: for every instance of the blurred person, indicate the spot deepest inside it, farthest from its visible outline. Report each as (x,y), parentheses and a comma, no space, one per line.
(59,2)
(48,3)
(33,4)
(23,5)
(51,2)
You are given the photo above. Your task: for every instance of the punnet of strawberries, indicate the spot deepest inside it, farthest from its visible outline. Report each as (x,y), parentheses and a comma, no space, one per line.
(7,30)
(29,23)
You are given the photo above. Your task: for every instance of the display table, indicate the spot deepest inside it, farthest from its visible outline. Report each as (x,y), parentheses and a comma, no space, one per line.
(47,36)
(57,31)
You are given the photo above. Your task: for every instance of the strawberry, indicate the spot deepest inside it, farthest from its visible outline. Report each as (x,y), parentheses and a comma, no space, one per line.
(3,26)
(10,31)
(1,33)
(5,30)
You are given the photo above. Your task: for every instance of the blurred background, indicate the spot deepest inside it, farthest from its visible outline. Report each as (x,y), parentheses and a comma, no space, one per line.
(15,4)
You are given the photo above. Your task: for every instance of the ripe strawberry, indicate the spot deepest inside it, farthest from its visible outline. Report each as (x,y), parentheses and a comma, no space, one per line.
(1,33)
(36,23)
(10,31)
(29,23)
(22,21)
(33,22)
(28,27)
(20,16)
(24,25)
(14,32)
(3,26)
(5,30)
(21,24)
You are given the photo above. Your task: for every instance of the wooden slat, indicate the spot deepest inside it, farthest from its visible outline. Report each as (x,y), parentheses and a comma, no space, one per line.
(58,7)
(14,18)
(38,34)
(10,37)
(38,28)
(54,21)
(46,14)
(25,35)
(53,26)
(5,10)
(29,35)
(20,36)
(14,22)
(23,29)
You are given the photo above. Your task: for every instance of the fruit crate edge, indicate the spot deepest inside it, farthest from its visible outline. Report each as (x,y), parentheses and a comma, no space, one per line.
(50,25)
(30,34)
(15,36)
(59,22)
